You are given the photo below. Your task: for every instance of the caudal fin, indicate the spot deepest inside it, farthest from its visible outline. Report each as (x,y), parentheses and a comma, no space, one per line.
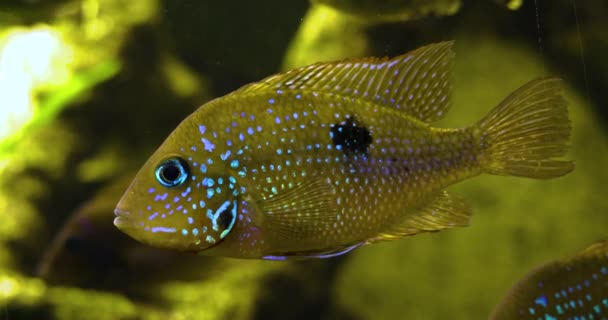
(524,133)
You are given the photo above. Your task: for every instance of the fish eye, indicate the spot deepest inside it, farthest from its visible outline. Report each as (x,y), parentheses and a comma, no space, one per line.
(172,172)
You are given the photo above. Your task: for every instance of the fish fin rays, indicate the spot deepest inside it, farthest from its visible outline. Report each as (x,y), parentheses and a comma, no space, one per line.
(417,83)
(296,213)
(448,210)
(314,254)
(526,131)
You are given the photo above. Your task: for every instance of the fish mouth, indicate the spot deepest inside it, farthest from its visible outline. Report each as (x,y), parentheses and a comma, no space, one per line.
(123,219)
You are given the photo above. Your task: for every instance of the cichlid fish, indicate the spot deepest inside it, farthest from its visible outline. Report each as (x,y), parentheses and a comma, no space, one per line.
(319,160)
(572,288)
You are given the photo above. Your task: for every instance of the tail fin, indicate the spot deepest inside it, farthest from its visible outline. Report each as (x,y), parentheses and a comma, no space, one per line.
(523,134)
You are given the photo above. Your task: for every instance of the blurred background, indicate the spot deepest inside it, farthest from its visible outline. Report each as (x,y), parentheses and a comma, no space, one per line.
(89,88)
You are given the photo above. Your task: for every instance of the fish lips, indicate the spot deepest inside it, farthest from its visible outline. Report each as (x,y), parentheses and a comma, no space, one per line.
(123,220)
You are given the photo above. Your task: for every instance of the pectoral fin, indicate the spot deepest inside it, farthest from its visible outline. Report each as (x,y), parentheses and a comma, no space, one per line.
(299,211)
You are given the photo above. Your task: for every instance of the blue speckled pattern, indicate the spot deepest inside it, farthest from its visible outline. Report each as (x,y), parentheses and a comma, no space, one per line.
(322,159)
(575,288)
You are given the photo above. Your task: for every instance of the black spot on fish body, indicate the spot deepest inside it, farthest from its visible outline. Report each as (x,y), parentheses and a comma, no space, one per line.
(350,137)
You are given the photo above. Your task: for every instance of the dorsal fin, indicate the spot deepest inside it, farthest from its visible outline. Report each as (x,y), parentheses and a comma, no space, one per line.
(417,83)
(597,249)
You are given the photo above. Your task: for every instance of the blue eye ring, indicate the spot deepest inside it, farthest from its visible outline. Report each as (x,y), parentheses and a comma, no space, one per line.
(172,172)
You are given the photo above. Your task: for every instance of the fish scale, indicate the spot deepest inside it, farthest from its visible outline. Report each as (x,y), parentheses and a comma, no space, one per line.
(363,184)
(319,160)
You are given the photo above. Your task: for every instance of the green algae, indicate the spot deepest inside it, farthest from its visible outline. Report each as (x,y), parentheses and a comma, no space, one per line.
(326,34)
(229,292)
(393,10)
(72,303)
(54,102)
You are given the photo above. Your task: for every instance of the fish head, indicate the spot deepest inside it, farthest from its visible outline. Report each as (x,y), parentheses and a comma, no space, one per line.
(178,200)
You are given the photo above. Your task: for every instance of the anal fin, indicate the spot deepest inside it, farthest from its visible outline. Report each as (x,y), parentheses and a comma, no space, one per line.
(315,254)
(446,211)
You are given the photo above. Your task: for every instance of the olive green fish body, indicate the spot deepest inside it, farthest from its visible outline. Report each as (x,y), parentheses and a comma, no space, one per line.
(571,288)
(319,160)
(291,153)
